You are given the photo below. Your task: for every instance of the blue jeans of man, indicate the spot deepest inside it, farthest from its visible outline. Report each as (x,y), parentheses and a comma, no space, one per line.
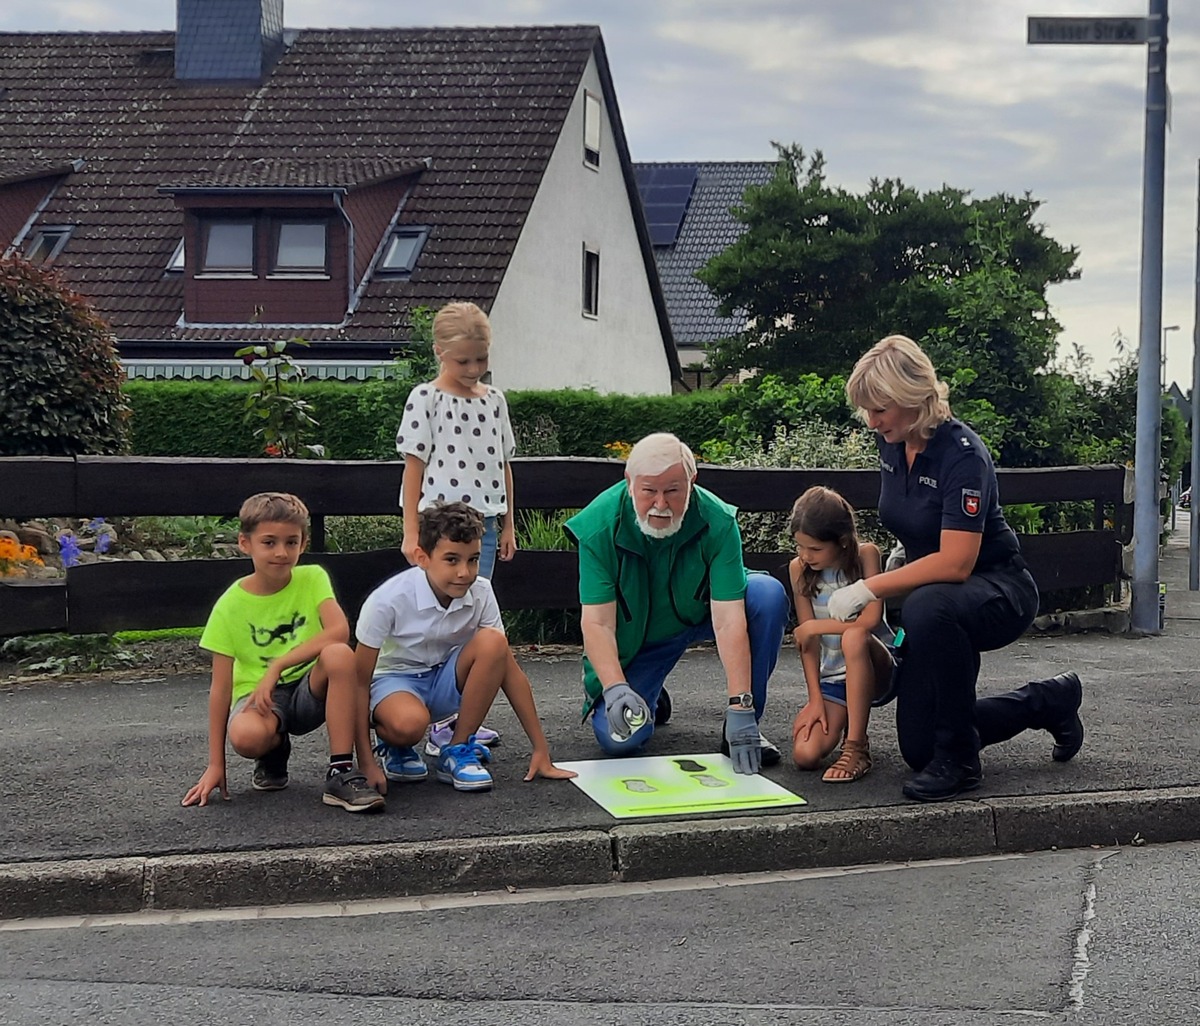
(766,617)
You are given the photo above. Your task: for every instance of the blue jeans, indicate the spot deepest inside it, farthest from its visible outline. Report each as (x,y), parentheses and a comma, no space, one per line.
(487,555)
(766,617)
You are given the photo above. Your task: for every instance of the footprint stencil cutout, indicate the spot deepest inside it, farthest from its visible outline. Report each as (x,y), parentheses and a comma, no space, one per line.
(639,786)
(698,773)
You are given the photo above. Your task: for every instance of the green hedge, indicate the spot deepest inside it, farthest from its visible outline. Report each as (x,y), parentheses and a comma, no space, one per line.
(358,419)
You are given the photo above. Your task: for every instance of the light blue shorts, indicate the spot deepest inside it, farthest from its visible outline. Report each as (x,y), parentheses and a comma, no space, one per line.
(834,690)
(436,688)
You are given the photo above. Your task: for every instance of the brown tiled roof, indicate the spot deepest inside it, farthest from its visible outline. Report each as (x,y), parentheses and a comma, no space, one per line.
(12,172)
(484,106)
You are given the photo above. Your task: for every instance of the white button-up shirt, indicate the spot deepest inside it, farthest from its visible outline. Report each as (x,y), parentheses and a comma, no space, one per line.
(413,630)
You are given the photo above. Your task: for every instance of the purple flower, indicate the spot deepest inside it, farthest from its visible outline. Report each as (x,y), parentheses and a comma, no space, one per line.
(103,542)
(94,525)
(68,549)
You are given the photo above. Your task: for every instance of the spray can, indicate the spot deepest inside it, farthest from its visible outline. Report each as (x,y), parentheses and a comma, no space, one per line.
(1162,606)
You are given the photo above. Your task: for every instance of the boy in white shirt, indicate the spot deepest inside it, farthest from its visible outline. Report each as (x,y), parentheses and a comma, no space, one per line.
(431,643)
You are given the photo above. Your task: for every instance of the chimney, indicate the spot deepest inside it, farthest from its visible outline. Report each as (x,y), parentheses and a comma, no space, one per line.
(227,40)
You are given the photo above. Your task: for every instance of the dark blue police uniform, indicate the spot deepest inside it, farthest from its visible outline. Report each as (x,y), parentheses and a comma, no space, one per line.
(951,485)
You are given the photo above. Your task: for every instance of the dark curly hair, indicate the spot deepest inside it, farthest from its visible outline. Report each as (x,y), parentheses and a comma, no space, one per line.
(454,521)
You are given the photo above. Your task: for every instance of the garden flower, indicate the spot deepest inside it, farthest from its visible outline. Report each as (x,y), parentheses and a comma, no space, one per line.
(68,549)
(16,558)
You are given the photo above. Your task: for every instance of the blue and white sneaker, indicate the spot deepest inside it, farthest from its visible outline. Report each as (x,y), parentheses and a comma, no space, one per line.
(441,732)
(401,764)
(460,765)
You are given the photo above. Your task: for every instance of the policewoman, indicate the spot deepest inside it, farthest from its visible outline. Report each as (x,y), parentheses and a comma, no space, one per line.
(965,588)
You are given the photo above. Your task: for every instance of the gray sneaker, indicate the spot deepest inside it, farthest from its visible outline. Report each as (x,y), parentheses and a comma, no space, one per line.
(351,791)
(271,771)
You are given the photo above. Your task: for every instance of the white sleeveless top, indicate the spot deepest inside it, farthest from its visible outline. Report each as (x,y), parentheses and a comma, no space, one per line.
(833,660)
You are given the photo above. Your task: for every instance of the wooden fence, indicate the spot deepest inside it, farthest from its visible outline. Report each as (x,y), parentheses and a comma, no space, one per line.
(121,595)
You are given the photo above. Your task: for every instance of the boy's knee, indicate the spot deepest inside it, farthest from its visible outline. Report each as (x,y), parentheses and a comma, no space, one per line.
(251,735)
(337,657)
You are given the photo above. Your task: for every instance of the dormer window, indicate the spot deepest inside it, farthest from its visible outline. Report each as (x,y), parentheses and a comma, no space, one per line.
(228,247)
(300,248)
(402,249)
(46,244)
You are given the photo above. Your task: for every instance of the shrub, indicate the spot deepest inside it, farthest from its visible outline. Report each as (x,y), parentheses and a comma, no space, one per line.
(60,380)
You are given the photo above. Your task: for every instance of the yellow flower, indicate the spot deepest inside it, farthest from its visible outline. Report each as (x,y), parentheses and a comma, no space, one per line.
(620,450)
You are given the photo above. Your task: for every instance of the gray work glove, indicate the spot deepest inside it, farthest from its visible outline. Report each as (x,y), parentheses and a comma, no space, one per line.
(626,710)
(741,731)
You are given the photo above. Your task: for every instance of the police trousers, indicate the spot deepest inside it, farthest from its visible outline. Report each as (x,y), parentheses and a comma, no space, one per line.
(946,627)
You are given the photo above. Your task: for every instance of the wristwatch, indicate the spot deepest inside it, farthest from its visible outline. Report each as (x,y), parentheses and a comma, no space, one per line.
(743,701)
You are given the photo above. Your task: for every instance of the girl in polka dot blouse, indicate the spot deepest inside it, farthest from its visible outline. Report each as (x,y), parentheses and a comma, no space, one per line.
(456,438)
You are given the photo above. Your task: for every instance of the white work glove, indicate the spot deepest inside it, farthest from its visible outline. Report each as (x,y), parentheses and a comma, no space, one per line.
(846,603)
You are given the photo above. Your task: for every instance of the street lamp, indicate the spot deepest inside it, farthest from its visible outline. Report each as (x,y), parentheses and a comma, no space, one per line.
(1166,328)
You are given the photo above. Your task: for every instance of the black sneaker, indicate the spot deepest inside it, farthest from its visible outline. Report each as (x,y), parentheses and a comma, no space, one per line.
(271,771)
(770,754)
(351,791)
(944,778)
(662,709)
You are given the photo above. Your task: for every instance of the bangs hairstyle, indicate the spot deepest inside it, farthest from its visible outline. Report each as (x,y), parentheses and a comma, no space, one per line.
(896,372)
(454,521)
(823,514)
(273,507)
(460,322)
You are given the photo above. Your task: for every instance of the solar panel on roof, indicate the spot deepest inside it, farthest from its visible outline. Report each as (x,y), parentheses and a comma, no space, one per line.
(666,193)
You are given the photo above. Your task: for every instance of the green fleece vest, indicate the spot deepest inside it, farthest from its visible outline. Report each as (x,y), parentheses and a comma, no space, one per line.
(608,538)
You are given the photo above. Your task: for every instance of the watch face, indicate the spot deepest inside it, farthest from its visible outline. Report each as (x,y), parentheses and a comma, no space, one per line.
(744,701)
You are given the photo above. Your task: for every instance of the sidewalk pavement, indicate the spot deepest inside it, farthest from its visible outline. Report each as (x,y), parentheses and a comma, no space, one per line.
(90,820)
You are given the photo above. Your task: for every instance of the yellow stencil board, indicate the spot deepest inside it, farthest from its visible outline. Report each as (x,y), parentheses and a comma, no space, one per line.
(676,785)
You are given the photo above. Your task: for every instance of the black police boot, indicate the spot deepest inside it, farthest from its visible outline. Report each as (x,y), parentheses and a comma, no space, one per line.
(1062,697)
(662,708)
(945,777)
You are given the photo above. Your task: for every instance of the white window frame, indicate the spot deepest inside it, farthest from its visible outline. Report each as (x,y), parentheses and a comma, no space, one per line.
(593,124)
(418,232)
(52,239)
(591,282)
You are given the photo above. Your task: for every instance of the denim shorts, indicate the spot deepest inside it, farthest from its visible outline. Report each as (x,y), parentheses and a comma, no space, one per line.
(436,688)
(834,690)
(298,709)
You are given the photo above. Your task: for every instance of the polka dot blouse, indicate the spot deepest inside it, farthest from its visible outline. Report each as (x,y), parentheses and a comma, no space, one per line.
(464,444)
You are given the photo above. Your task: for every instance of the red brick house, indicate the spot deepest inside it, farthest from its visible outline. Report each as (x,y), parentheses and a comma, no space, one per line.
(235,181)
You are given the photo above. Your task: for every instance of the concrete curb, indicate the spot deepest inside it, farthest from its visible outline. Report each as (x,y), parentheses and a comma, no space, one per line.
(630,852)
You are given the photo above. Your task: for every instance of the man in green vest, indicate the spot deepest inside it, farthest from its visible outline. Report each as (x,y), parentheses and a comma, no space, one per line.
(660,568)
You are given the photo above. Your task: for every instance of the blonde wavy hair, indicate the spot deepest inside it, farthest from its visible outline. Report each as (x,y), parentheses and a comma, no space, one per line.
(460,322)
(896,372)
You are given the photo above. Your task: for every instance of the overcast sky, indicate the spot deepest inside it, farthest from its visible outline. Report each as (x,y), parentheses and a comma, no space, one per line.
(929,91)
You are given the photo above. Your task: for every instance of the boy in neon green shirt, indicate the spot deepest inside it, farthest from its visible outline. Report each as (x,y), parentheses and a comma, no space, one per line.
(282,665)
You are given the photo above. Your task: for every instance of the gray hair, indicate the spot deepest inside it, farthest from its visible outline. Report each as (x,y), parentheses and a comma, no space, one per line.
(658,453)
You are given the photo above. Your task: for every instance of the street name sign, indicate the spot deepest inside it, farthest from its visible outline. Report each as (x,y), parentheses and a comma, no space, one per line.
(1088,30)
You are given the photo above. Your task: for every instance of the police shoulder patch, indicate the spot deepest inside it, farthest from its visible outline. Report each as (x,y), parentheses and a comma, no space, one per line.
(972,502)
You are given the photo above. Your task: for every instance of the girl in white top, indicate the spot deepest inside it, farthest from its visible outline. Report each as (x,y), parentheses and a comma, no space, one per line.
(846,664)
(456,438)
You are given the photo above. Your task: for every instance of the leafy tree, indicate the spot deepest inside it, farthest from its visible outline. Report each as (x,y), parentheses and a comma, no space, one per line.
(822,273)
(60,379)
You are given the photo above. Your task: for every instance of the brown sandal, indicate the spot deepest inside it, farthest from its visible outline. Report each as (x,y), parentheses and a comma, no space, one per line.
(854,761)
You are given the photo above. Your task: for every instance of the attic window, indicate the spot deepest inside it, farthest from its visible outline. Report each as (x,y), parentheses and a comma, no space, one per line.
(228,247)
(300,246)
(591,130)
(46,244)
(176,261)
(402,249)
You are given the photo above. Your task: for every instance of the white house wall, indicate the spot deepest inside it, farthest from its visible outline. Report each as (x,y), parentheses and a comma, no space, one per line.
(540,337)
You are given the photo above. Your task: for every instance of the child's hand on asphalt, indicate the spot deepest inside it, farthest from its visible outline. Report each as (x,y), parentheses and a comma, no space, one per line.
(541,766)
(211,780)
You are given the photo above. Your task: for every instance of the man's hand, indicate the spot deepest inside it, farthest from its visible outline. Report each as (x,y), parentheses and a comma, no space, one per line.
(541,766)
(625,709)
(812,715)
(846,603)
(741,731)
(212,779)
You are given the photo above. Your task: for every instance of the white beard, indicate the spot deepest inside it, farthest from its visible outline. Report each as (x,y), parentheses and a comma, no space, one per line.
(664,532)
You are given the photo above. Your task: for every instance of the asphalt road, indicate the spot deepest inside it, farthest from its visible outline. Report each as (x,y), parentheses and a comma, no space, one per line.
(1102,936)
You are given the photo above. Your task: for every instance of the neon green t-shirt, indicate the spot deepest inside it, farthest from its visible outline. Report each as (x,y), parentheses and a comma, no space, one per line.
(254,629)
